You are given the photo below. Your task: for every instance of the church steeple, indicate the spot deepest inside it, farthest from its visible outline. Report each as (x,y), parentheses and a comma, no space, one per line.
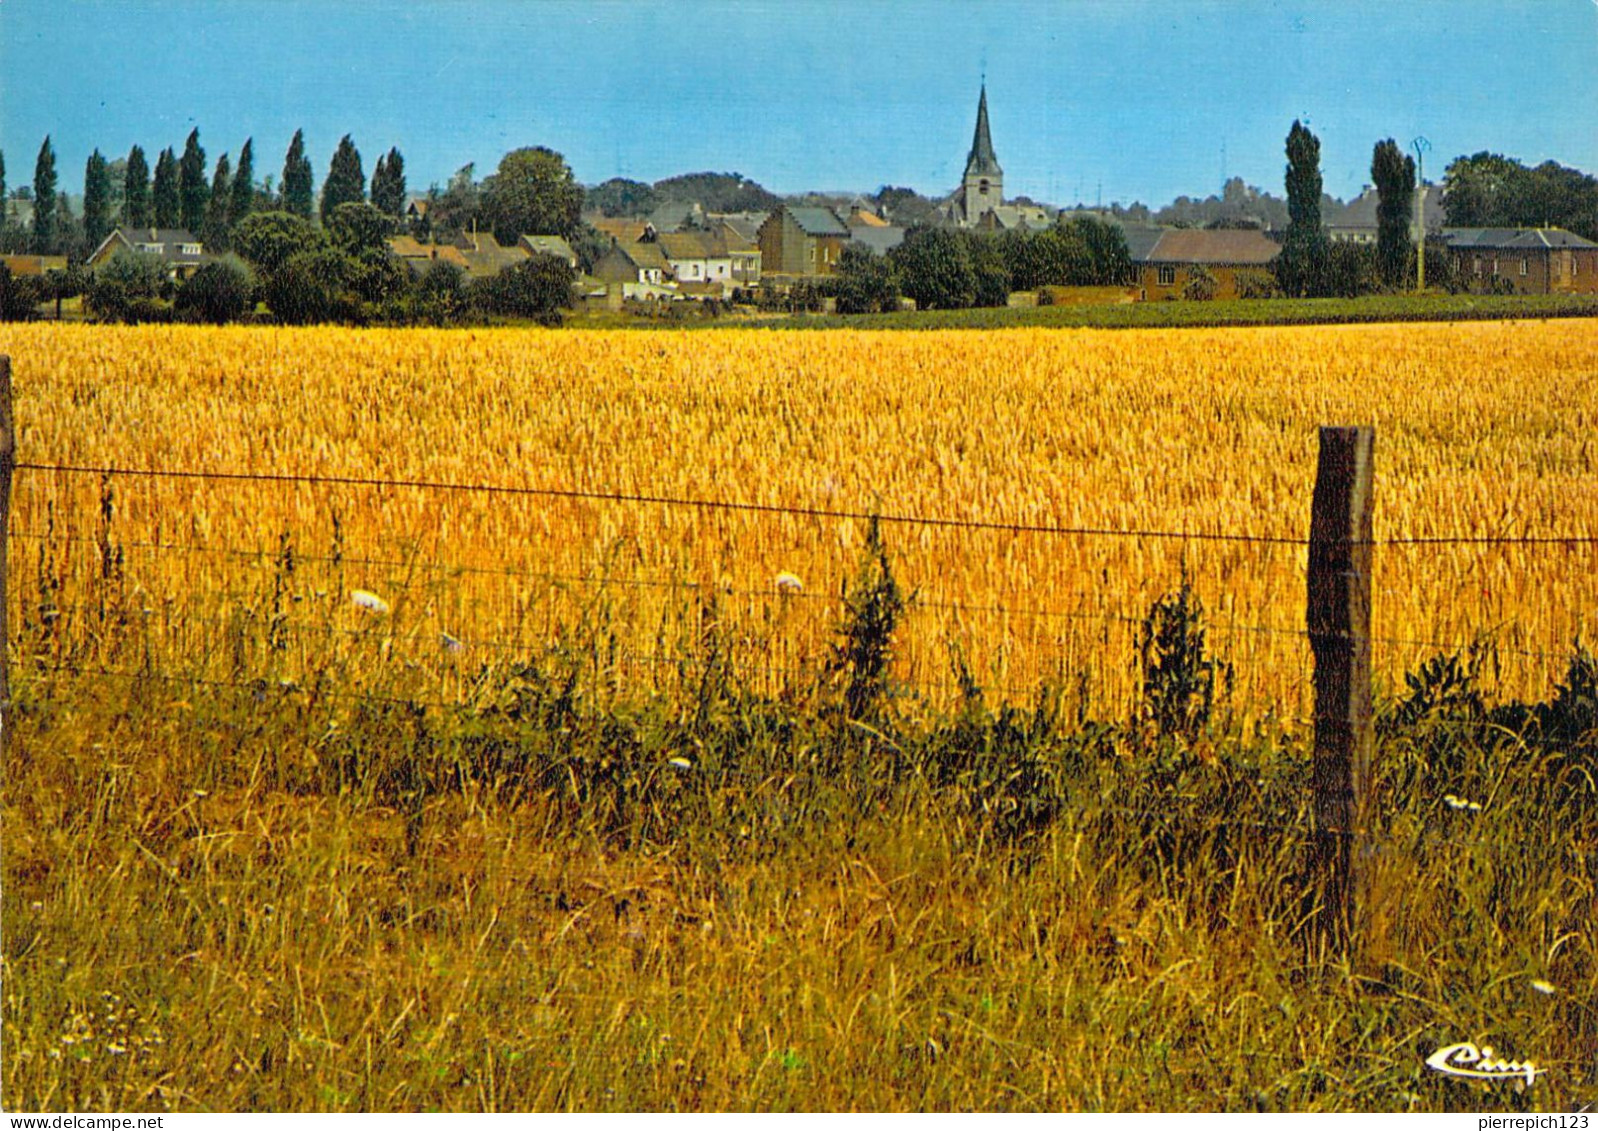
(982,161)
(982,187)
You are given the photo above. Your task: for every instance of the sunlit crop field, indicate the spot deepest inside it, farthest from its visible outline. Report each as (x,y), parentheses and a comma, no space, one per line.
(376,794)
(1483,430)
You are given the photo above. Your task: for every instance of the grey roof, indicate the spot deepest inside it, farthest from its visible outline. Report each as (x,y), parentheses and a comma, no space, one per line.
(1514,239)
(745,224)
(879,240)
(1140,241)
(1361,211)
(170,241)
(674,214)
(1229,246)
(818,222)
(982,162)
(549,245)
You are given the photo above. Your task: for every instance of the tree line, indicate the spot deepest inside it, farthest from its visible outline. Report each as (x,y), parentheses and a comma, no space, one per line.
(309,258)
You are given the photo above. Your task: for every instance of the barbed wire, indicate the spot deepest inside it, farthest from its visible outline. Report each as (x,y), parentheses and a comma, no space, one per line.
(658,500)
(595,495)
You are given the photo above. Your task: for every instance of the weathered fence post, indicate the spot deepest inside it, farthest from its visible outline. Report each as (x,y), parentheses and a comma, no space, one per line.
(8,459)
(1338,612)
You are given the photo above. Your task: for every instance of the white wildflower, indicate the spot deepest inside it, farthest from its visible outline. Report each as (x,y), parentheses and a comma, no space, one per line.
(371,602)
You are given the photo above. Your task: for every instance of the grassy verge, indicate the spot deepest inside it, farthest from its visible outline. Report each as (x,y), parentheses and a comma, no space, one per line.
(1238,312)
(259,897)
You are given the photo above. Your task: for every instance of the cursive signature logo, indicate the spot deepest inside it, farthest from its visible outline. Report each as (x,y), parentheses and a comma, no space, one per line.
(1465,1059)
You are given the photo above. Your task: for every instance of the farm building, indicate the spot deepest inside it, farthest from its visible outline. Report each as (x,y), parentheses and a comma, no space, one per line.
(802,241)
(1533,261)
(1165,261)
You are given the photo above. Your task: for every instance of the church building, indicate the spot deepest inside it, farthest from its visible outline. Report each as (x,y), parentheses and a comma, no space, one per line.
(982,188)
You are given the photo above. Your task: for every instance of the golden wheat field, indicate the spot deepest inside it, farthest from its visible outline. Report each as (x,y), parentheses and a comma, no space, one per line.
(1482,430)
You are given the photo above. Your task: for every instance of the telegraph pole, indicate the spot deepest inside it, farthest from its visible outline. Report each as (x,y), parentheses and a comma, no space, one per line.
(1420,145)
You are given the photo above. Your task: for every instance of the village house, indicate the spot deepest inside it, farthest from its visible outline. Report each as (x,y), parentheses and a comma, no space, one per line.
(696,257)
(1529,261)
(485,256)
(551,245)
(23,265)
(802,241)
(639,269)
(420,256)
(1164,261)
(179,250)
(742,249)
(1357,223)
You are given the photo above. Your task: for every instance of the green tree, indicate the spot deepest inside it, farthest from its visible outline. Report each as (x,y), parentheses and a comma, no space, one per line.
(357,227)
(1302,264)
(2,187)
(136,191)
(388,184)
(865,282)
(214,235)
(220,291)
(991,276)
(96,200)
(242,201)
(19,297)
(298,190)
(533,192)
(621,197)
(934,268)
(44,201)
(268,240)
(536,288)
(440,295)
(193,192)
(459,206)
(1393,174)
(166,205)
(313,287)
(346,182)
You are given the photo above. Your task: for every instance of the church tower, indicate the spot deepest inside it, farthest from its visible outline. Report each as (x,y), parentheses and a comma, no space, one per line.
(982,188)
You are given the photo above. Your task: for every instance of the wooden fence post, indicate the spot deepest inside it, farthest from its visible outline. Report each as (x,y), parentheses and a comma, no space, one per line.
(1338,612)
(8,459)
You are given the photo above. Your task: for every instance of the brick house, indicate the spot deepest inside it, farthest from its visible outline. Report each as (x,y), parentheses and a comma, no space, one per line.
(696,257)
(1530,261)
(1164,261)
(177,248)
(802,241)
(637,270)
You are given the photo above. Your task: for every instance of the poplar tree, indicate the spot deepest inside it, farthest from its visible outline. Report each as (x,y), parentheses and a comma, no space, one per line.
(243,198)
(388,184)
(192,189)
(136,191)
(346,182)
(165,203)
(297,186)
(96,200)
(214,232)
(1301,265)
(1393,174)
(44,200)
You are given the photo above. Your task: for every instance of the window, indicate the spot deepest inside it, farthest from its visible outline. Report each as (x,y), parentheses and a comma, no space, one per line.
(1524,265)
(1478,265)
(1167,276)
(1495,267)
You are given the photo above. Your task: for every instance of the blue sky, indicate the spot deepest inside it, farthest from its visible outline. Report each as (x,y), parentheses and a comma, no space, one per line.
(1129,98)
